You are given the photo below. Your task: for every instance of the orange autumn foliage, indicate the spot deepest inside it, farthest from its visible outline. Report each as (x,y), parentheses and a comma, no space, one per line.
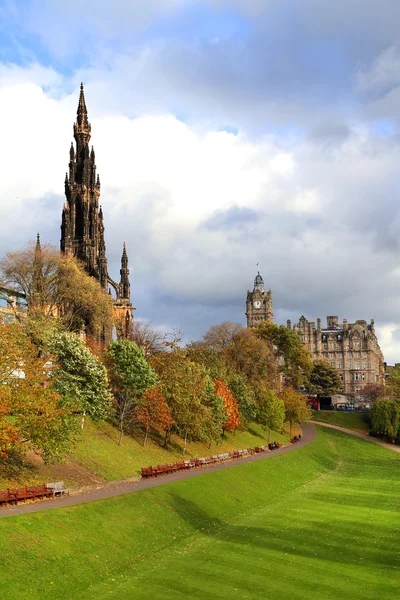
(153,412)
(231,408)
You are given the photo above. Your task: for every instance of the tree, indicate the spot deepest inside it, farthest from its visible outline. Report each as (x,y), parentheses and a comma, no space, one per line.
(323,379)
(271,413)
(130,376)
(221,336)
(294,359)
(79,376)
(385,418)
(148,338)
(393,383)
(58,291)
(231,410)
(33,416)
(245,398)
(153,412)
(296,409)
(186,387)
(372,392)
(207,356)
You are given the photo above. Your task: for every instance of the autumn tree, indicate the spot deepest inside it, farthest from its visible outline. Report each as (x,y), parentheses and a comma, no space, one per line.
(231,410)
(271,413)
(58,291)
(33,415)
(153,412)
(296,409)
(294,359)
(209,357)
(323,379)
(186,387)
(393,383)
(221,336)
(372,392)
(150,339)
(130,376)
(79,376)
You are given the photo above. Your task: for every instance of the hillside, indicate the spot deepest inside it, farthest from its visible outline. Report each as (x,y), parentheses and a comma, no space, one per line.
(98,458)
(292,526)
(359,421)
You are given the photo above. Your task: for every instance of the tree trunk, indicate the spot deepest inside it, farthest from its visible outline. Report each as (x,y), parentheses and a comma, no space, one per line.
(184,445)
(83,420)
(166,439)
(290,428)
(269,435)
(145,437)
(121,432)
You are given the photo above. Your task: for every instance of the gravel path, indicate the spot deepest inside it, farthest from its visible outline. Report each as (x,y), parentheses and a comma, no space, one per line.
(128,486)
(359,434)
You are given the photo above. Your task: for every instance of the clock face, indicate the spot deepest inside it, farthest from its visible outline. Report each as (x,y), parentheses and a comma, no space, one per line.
(257,304)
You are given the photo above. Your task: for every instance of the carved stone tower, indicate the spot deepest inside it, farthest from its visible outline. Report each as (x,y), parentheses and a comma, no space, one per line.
(82,227)
(258,304)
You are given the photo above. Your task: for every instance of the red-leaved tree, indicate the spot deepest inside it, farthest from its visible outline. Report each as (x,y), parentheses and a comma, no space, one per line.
(231,409)
(153,412)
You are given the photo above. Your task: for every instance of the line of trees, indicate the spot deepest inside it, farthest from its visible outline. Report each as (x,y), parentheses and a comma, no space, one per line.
(53,379)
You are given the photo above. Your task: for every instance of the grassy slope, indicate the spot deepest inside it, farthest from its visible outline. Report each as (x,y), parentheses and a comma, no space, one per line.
(97,456)
(352,420)
(319,523)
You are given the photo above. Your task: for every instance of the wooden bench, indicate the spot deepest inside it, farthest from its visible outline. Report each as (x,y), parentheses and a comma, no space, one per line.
(22,494)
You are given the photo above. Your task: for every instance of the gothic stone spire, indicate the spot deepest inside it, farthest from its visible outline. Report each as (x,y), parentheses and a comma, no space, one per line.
(82,229)
(124,286)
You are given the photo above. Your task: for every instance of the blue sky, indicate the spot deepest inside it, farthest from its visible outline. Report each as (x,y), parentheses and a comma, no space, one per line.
(227,132)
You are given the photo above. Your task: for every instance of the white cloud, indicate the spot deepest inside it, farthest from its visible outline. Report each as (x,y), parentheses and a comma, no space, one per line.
(322,223)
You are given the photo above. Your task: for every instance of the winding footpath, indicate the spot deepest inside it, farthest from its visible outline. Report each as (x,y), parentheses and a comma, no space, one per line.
(359,434)
(128,486)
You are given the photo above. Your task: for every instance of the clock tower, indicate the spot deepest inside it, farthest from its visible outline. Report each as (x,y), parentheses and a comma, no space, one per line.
(258,304)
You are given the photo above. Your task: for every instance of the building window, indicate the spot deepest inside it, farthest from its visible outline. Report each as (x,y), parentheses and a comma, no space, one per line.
(363,377)
(340,365)
(357,355)
(325,346)
(358,389)
(325,355)
(365,355)
(357,376)
(357,344)
(349,355)
(357,365)
(365,364)
(340,354)
(331,345)
(331,355)
(333,364)
(315,355)
(341,377)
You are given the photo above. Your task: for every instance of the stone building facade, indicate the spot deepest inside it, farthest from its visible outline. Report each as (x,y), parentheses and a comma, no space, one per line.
(352,348)
(12,304)
(82,226)
(258,303)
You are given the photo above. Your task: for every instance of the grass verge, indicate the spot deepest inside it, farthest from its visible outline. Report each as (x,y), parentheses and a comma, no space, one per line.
(359,421)
(320,522)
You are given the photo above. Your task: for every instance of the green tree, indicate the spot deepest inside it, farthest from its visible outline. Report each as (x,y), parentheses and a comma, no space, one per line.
(271,413)
(323,379)
(296,409)
(245,398)
(294,359)
(393,383)
(186,387)
(385,418)
(79,376)
(130,376)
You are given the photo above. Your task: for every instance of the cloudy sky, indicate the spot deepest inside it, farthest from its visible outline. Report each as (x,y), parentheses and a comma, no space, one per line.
(227,132)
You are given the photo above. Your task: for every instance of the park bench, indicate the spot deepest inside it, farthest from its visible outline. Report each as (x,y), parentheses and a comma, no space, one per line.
(58,488)
(22,494)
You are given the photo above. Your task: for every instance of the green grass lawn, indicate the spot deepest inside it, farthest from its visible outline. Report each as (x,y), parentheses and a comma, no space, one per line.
(321,522)
(352,420)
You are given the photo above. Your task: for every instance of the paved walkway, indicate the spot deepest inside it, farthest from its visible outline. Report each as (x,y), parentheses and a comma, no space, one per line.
(128,486)
(359,434)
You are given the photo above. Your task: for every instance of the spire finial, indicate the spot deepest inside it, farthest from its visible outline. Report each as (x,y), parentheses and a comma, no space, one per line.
(38,247)
(82,117)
